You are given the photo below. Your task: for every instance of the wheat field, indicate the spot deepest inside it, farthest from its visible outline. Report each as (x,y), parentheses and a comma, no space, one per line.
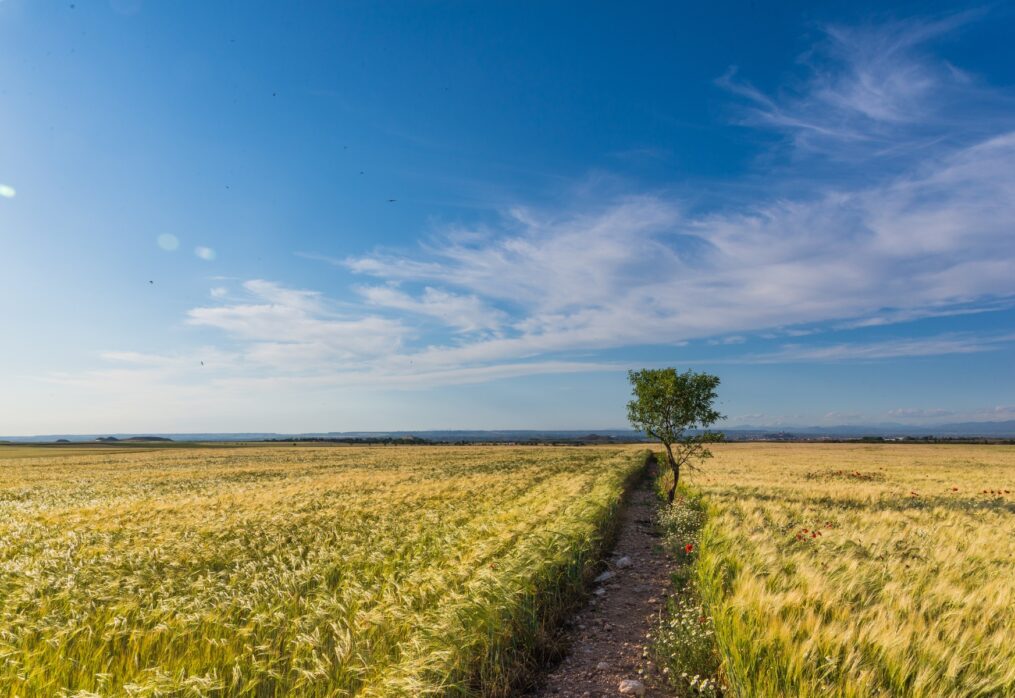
(277,571)
(861,570)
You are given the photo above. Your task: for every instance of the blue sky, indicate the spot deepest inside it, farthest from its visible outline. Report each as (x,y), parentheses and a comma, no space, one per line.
(347,216)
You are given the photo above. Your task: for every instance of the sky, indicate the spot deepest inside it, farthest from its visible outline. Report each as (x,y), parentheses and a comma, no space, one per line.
(294,217)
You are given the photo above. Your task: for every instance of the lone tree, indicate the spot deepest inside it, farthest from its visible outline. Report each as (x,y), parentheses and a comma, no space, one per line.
(666,405)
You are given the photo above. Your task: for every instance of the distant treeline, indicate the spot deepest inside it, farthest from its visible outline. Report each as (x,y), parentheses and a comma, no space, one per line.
(798,438)
(358,440)
(417,441)
(938,440)
(593,439)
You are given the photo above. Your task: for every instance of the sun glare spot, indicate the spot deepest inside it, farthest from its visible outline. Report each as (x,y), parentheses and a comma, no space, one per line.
(168,242)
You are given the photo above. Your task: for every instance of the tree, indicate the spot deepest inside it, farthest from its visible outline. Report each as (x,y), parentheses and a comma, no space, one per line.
(667,405)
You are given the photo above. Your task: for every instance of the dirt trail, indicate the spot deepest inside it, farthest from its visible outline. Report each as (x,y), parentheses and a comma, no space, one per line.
(607,638)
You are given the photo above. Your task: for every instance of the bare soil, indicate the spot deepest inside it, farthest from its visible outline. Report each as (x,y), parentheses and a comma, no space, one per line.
(608,638)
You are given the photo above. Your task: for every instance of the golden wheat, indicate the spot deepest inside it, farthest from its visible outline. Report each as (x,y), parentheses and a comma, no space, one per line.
(873,570)
(311,571)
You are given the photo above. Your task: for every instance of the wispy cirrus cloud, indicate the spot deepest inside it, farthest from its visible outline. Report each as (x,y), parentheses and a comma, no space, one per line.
(463,313)
(891,316)
(938,345)
(876,90)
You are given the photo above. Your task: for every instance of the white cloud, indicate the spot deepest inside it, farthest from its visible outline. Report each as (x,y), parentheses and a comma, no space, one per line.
(206,357)
(465,313)
(732,339)
(872,90)
(893,316)
(939,345)
(918,413)
(931,416)
(912,416)
(205,253)
(218,292)
(7,191)
(292,329)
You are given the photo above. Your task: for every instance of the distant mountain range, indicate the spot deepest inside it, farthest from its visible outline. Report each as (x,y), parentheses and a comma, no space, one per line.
(1005,429)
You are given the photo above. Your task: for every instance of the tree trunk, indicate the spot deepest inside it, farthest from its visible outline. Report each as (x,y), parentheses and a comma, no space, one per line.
(675,467)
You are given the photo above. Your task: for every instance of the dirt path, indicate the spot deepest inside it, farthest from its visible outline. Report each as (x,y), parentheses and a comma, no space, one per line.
(608,637)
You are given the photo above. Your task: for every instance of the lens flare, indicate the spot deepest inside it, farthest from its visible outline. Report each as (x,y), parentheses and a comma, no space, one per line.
(168,242)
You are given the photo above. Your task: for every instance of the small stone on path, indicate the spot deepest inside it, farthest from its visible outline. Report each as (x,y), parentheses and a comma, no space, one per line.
(631,687)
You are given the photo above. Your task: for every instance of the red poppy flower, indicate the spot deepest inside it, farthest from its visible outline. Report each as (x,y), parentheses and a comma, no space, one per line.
(689,548)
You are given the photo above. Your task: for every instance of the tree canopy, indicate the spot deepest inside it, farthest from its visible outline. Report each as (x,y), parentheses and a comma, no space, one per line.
(677,409)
